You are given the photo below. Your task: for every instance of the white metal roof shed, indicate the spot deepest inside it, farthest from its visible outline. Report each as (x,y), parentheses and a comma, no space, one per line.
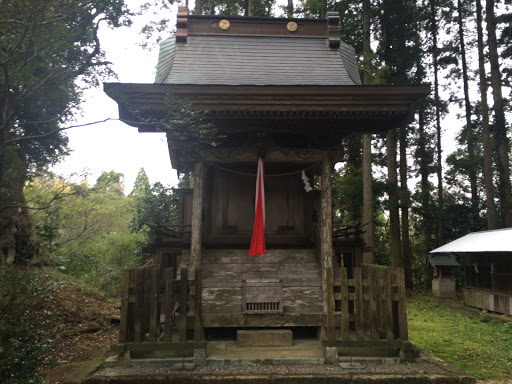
(499,240)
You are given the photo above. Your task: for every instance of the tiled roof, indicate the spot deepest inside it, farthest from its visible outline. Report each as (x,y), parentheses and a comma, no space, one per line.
(210,59)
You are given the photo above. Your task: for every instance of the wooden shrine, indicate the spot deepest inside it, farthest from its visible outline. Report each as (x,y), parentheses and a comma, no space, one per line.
(287,91)
(487,264)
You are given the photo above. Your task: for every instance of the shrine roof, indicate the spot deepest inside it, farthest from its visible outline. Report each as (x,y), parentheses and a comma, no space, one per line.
(497,240)
(255,51)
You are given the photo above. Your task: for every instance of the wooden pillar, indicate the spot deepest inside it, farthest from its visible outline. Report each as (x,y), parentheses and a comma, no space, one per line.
(326,251)
(197,219)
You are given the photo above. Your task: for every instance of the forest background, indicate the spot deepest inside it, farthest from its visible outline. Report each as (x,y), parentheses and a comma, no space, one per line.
(50,52)
(462,48)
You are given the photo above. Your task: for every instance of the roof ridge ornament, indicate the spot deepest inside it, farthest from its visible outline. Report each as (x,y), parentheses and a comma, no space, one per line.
(182,24)
(333,29)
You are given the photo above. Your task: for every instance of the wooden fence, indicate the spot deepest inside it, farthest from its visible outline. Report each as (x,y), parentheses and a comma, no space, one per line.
(369,305)
(158,311)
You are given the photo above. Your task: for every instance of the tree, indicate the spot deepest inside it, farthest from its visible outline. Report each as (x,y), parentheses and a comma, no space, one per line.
(486,131)
(501,140)
(470,140)
(46,46)
(368,256)
(84,230)
(437,105)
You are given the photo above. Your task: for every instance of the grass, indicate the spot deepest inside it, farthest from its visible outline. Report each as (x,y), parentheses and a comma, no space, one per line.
(476,343)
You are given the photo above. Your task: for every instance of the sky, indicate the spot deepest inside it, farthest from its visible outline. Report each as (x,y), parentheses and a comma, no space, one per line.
(113,145)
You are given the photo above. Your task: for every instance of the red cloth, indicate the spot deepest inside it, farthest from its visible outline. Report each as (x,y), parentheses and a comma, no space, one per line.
(258,232)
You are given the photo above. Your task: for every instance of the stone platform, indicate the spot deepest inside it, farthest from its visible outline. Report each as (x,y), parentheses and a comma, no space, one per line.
(304,362)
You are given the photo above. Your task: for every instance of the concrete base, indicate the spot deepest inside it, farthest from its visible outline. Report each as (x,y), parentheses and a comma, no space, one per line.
(444,288)
(299,364)
(264,338)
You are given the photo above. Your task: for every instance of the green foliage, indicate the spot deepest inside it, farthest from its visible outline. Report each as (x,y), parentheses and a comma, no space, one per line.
(458,336)
(84,230)
(49,49)
(45,46)
(154,205)
(185,123)
(24,336)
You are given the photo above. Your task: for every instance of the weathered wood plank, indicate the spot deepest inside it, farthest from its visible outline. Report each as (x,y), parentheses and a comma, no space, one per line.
(154,307)
(302,300)
(221,300)
(402,311)
(326,245)
(255,267)
(175,349)
(268,320)
(276,254)
(288,283)
(197,209)
(344,304)
(370,274)
(358,303)
(183,305)
(139,305)
(312,275)
(387,307)
(123,326)
(198,329)
(169,303)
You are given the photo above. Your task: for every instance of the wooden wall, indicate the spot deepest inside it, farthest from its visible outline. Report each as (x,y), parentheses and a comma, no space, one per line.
(289,208)
(295,271)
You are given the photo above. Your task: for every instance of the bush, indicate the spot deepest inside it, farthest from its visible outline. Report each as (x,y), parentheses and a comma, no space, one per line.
(23,335)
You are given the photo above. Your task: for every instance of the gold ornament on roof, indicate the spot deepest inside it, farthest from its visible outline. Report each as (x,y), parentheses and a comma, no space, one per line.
(292,26)
(224,24)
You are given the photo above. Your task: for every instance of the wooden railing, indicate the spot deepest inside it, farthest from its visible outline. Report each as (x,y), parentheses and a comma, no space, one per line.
(369,305)
(158,310)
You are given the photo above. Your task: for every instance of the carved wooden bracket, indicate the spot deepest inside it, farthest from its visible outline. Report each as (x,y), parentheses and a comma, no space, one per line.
(182,24)
(333,25)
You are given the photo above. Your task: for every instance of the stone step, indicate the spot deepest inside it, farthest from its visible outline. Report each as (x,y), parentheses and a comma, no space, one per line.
(264,338)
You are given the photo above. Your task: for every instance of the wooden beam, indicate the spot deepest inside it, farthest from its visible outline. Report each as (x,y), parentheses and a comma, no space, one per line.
(326,246)
(197,218)
(247,155)
(128,275)
(267,320)
(169,303)
(154,306)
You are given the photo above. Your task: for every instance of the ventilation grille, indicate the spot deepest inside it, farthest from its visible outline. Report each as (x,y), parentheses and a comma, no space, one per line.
(262,296)
(266,307)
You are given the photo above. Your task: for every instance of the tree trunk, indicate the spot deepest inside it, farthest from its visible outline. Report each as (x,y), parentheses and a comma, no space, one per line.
(435,54)
(18,242)
(394,215)
(500,129)
(404,205)
(368,255)
(472,169)
(198,8)
(424,165)
(486,131)
(289,9)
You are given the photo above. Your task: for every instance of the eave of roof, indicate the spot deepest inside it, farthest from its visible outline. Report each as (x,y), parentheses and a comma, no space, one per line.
(337,102)
(499,240)
(443,260)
